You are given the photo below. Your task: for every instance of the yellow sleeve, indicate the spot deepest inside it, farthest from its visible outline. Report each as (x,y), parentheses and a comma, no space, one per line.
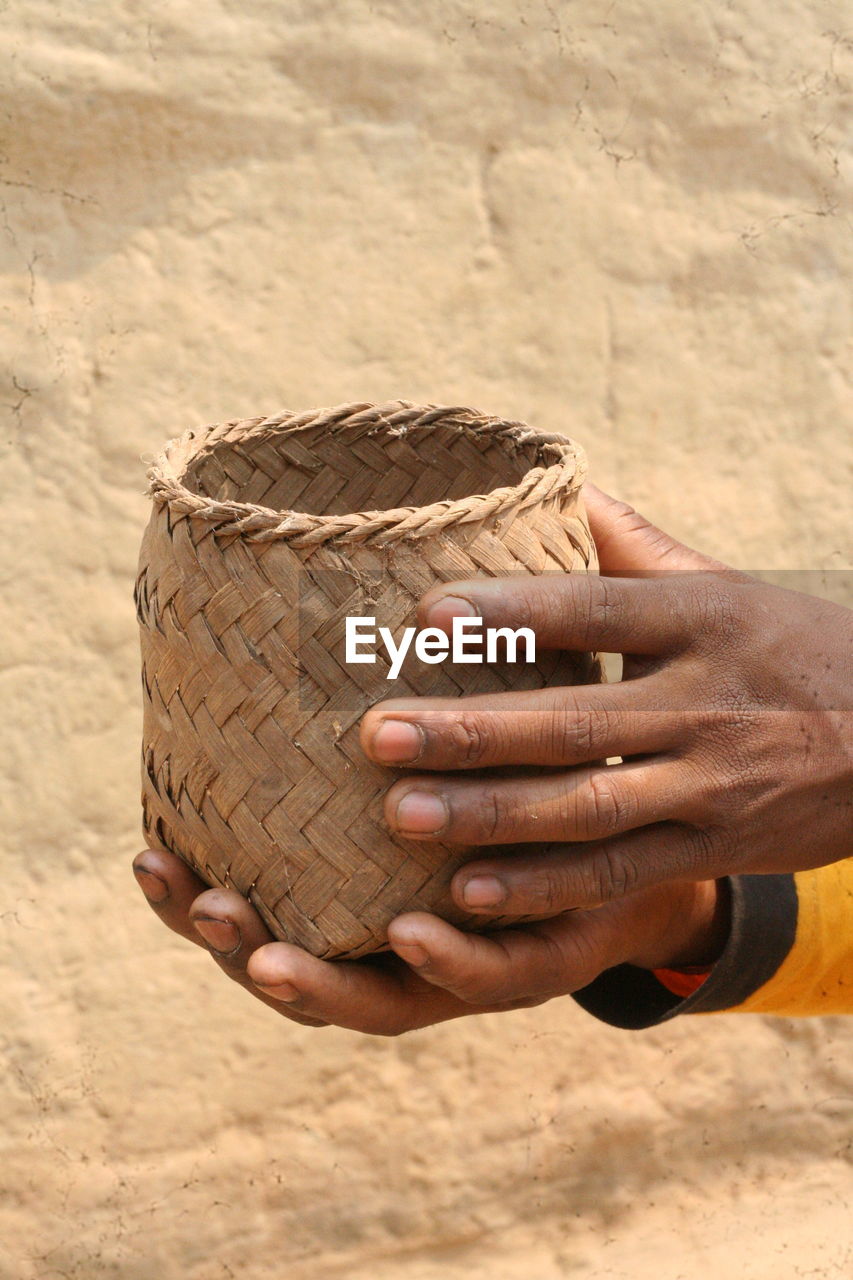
(816,976)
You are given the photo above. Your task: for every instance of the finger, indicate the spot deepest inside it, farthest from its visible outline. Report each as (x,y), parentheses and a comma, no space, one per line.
(376,999)
(579,611)
(586,875)
(173,889)
(508,968)
(553,726)
(170,887)
(580,804)
(232,931)
(230,926)
(627,541)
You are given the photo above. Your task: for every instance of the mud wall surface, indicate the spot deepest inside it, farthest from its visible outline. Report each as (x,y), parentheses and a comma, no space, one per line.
(625,221)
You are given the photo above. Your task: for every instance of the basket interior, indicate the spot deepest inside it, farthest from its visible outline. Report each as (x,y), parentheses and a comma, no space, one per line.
(337,471)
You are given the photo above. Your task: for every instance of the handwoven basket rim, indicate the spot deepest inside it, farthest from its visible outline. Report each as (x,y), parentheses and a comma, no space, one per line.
(396,417)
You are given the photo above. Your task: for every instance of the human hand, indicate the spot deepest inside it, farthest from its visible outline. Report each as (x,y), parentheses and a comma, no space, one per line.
(435,972)
(733,721)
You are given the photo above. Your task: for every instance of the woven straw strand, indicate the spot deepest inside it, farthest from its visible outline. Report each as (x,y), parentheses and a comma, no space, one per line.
(260,524)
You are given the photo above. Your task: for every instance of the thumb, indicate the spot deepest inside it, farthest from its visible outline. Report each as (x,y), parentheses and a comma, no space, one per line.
(628,542)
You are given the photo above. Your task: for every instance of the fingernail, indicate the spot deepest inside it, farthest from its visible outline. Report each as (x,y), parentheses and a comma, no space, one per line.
(413,953)
(283,991)
(442,612)
(483,891)
(153,886)
(397,742)
(221,935)
(421,812)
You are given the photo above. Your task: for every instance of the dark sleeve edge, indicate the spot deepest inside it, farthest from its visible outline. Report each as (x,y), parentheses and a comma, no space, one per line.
(762,932)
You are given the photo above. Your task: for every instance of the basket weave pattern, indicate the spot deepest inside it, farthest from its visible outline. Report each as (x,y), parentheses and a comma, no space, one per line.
(265,535)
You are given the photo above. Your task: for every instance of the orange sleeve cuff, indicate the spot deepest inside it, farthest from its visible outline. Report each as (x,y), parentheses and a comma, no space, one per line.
(681,982)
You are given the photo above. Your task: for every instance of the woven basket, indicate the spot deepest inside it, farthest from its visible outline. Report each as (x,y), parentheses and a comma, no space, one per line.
(251,562)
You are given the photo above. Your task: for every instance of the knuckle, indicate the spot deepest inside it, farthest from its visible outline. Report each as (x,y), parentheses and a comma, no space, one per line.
(744,794)
(545,889)
(725,737)
(550,891)
(580,732)
(713,795)
(615,874)
(468,740)
(716,783)
(720,611)
(701,848)
(552,971)
(604,610)
(731,769)
(734,712)
(492,815)
(740,725)
(608,811)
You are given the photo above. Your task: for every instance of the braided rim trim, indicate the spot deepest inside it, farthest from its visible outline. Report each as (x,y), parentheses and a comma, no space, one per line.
(563,477)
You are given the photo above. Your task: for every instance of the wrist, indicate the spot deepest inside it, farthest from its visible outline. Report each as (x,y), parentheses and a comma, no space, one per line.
(688,928)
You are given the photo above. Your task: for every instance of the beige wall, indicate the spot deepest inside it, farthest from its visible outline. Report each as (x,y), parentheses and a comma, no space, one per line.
(630,221)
